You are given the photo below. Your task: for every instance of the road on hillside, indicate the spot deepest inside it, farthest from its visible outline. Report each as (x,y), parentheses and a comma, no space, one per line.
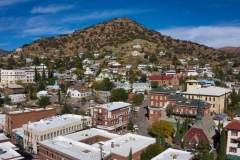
(141,120)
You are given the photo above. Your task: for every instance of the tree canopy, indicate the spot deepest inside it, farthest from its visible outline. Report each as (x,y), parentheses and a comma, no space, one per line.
(160,127)
(151,151)
(104,85)
(119,94)
(43,101)
(137,99)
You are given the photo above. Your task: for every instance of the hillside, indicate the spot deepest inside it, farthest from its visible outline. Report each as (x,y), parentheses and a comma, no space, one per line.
(3,52)
(230,49)
(119,35)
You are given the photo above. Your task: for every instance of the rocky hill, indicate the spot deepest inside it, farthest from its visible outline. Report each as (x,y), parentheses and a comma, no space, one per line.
(119,35)
(230,49)
(3,52)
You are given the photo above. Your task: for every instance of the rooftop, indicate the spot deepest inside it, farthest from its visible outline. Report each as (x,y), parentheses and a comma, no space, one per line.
(29,110)
(174,154)
(56,121)
(14,86)
(114,105)
(161,89)
(8,151)
(212,90)
(233,125)
(193,103)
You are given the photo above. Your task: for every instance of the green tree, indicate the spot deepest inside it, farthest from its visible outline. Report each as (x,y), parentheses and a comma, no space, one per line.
(153,58)
(130,154)
(137,99)
(169,110)
(59,96)
(105,85)
(7,100)
(49,73)
(222,146)
(143,78)
(66,109)
(163,140)
(119,94)
(1,101)
(158,140)
(10,63)
(36,78)
(151,151)
(98,72)
(234,98)
(177,138)
(43,74)
(160,127)
(43,101)
(40,86)
(154,84)
(203,149)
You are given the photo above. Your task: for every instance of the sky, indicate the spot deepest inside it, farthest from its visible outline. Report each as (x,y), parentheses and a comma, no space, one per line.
(214,23)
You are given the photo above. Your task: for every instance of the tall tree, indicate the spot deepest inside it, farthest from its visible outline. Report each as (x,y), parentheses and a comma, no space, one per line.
(43,101)
(160,127)
(43,74)
(203,149)
(151,151)
(158,139)
(7,100)
(49,73)
(35,74)
(163,140)
(177,138)
(59,96)
(130,154)
(119,94)
(41,86)
(222,146)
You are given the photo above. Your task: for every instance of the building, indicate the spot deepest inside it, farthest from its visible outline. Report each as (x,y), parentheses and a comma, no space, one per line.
(16,119)
(170,72)
(103,75)
(14,89)
(94,144)
(104,95)
(78,91)
(52,127)
(140,87)
(171,80)
(174,154)
(192,85)
(233,140)
(158,101)
(203,128)
(17,98)
(188,107)
(23,75)
(191,71)
(43,94)
(135,53)
(216,96)
(9,151)
(112,117)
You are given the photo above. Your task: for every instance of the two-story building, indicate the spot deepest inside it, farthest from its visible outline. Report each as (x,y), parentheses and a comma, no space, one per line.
(112,117)
(79,91)
(140,87)
(14,89)
(168,80)
(233,139)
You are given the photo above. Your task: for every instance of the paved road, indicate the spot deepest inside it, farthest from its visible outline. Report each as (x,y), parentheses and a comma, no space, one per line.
(141,120)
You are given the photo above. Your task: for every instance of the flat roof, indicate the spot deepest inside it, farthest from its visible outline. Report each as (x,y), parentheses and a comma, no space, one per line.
(29,110)
(9,151)
(55,121)
(211,91)
(71,146)
(170,153)
(114,105)
(3,137)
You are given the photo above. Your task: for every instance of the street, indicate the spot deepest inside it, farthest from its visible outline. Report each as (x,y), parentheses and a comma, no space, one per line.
(141,120)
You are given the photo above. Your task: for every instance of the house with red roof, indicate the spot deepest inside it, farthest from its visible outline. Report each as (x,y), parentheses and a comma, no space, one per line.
(233,139)
(204,128)
(168,80)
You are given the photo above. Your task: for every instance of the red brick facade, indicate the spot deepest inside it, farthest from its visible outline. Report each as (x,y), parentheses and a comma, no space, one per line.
(17,118)
(165,80)
(14,90)
(184,110)
(100,116)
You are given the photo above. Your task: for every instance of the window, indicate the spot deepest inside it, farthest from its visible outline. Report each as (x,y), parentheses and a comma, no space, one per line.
(233,141)
(233,150)
(213,105)
(234,133)
(151,97)
(156,97)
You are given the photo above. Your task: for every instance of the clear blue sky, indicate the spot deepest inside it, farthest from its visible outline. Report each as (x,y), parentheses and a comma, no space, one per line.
(215,23)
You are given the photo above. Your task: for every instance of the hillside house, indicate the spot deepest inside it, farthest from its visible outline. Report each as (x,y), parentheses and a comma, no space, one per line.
(78,91)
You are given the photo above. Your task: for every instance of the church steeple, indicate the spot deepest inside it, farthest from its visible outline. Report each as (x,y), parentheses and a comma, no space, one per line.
(199,113)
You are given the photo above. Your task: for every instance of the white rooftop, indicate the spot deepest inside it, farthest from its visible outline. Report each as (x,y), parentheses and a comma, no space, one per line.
(55,121)
(14,86)
(9,151)
(212,90)
(170,153)
(78,136)
(71,146)
(3,137)
(114,105)
(29,110)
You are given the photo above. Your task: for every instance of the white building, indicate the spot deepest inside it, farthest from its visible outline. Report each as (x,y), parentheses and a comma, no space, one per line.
(136,53)
(78,91)
(43,94)
(191,71)
(23,75)
(9,151)
(233,140)
(137,46)
(174,154)
(87,145)
(16,98)
(143,66)
(52,127)
(140,87)
(170,72)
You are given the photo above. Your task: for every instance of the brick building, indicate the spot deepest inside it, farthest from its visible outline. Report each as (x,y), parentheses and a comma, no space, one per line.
(14,89)
(112,117)
(188,107)
(94,144)
(158,100)
(169,80)
(16,119)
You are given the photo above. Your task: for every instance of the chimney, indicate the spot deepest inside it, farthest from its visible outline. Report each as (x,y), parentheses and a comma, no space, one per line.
(112,145)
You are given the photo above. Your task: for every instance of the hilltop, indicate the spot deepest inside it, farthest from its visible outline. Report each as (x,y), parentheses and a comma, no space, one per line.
(3,52)
(119,35)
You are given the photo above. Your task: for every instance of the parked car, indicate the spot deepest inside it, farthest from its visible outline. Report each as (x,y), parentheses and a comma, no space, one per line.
(135,127)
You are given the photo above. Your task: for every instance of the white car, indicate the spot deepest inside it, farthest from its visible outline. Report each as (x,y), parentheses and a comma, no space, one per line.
(135,127)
